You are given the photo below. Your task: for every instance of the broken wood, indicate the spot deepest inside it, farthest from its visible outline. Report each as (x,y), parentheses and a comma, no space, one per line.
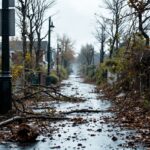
(26,133)
(86,111)
(22,118)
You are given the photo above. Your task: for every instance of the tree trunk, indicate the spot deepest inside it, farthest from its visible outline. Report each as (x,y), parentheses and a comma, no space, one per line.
(142,30)
(145,79)
(38,51)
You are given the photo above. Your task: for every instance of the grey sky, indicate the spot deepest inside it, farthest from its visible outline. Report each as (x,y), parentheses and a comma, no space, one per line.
(76,19)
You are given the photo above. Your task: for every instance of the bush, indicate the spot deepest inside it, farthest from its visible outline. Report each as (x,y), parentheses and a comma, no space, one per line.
(146,104)
(16,71)
(53,78)
(101,74)
(63,72)
(90,72)
(83,69)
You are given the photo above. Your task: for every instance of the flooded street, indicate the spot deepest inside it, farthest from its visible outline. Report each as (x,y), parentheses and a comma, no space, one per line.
(92,133)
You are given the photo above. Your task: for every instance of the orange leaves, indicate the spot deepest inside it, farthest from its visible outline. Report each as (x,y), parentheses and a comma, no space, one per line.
(138,5)
(69,55)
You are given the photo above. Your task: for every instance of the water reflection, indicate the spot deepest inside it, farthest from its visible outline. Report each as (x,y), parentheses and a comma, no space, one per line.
(92,135)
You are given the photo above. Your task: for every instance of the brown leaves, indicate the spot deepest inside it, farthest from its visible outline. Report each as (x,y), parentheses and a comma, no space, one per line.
(138,5)
(130,114)
(78,120)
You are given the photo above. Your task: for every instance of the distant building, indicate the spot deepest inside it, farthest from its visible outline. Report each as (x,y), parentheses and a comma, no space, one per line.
(16,49)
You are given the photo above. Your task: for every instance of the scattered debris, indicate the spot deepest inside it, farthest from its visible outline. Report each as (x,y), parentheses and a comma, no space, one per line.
(26,133)
(114,138)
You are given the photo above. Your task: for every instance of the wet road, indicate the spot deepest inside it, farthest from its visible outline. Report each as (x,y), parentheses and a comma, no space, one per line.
(93,134)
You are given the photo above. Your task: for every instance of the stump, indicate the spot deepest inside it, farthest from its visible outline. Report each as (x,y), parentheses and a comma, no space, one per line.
(26,133)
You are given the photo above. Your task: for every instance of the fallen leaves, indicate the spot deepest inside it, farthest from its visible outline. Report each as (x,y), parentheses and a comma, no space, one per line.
(77,121)
(129,113)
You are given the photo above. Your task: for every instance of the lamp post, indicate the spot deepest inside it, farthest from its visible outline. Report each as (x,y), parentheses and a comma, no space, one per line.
(49,46)
(5,78)
(93,61)
(57,60)
(49,50)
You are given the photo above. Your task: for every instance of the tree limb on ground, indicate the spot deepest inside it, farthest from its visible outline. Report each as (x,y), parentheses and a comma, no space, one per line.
(22,118)
(49,91)
(86,111)
(47,117)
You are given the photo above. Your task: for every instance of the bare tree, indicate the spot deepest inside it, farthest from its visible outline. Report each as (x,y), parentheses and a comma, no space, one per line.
(86,55)
(116,22)
(41,7)
(31,15)
(31,12)
(67,53)
(142,12)
(101,36)
(22,6)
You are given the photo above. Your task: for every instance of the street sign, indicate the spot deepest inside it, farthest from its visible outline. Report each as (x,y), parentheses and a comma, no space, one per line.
(11,3)
(11,22)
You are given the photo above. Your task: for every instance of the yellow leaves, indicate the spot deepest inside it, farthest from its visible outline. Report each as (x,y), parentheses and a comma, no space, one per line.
(28,57)
(17,71)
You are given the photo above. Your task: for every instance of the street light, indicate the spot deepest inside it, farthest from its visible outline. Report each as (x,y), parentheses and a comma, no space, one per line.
(49,51)
(49,46)
(93,61)
(5,79)
(57,57)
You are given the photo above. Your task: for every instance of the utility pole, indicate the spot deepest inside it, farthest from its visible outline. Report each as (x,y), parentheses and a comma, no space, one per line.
(93,62)
(49,46)
(57,60)
(49,50)
(5,78)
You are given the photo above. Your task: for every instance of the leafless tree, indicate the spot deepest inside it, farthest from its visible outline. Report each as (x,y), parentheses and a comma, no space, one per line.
(142,13)
(115,22)
(41,7)
(31,12)
(22,6)
(31,15)
(67,53)
(86,55)
(101,35)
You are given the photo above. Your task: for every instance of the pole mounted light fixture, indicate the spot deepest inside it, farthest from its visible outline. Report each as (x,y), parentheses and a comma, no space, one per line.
(49,51)
(7,29)
(52,25)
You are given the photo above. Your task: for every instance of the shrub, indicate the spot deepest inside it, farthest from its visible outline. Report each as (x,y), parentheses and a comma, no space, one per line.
(90,72)
(101,73)
(54,79)
(63,72)
(17,71)
(146,104)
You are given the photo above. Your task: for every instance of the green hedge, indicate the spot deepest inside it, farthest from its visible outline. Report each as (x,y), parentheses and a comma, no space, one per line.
(54,78)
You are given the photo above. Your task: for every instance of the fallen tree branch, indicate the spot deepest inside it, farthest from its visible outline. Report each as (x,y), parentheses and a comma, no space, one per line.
(86,111)
(21,118)
(52,89)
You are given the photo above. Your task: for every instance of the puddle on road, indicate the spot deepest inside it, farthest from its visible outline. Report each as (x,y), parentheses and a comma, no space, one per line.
(94,134)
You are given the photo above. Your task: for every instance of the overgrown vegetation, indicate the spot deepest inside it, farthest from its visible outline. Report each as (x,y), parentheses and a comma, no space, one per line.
(124,58)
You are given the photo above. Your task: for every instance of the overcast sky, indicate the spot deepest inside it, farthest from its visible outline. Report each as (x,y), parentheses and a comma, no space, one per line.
(76,19)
